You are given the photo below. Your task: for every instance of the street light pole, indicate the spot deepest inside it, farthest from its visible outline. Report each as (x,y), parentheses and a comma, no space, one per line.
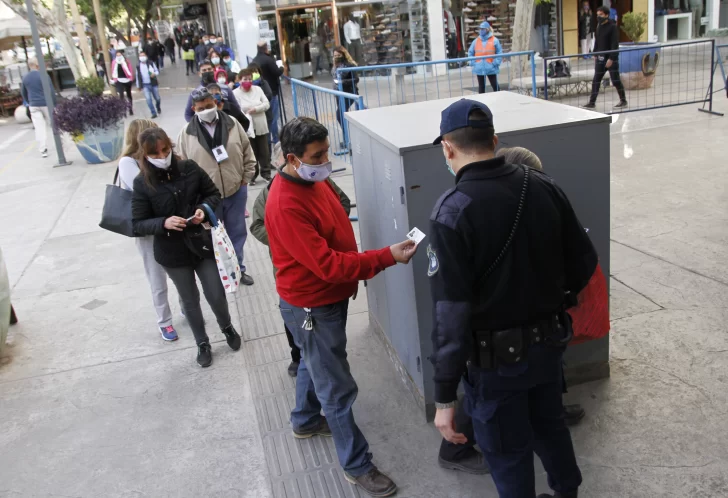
(45,81)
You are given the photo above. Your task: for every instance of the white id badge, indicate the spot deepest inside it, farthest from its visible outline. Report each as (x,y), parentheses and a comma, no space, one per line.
(220,153)
(416,235)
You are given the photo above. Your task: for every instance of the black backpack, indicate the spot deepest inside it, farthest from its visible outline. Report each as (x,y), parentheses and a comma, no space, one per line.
(559,69)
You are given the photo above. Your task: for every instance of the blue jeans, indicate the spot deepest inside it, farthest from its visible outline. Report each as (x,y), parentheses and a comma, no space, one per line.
(149,92)
(274,105)
(543,36)
(232,212)
(516,411)
(324,381)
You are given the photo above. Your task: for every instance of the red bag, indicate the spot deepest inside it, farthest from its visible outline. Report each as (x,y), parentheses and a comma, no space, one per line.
(591,316)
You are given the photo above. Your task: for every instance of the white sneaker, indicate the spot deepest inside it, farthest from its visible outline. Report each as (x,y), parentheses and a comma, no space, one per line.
(393,49)
(497,33)
(44,153)
(386,31)
(472,4)
(467,9)
(469,21)
(490,18)
(496,2)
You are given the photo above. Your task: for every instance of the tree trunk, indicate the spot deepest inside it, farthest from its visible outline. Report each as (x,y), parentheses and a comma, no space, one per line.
(522,26)
(118,33)
(104,42)
(82,38)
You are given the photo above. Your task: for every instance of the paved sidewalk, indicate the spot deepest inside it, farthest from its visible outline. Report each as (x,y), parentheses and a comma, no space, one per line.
(95,404)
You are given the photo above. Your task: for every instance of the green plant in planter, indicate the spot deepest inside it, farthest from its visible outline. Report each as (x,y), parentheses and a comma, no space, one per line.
(90,86)
(634,25)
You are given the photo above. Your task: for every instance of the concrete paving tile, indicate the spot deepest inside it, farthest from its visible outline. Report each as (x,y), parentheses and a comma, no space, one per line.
(625,302)
(161,432)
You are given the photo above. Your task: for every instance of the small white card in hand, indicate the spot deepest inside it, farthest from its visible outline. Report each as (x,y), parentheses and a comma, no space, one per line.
(220,153)
(416,235)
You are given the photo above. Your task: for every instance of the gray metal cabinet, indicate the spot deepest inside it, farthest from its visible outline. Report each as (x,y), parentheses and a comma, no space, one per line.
(399,175)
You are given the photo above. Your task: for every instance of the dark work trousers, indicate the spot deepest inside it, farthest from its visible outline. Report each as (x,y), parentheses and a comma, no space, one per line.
(261,149)
(600,68)
(463,424)
(516,411)
(184,280)
(189,67)
(124,88)
(295,352)
(492,79)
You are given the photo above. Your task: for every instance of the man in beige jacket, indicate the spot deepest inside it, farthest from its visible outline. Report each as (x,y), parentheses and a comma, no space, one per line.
(221,147)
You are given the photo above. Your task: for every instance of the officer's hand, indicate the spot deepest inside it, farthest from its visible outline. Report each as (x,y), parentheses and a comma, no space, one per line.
(403,251)
(445,423)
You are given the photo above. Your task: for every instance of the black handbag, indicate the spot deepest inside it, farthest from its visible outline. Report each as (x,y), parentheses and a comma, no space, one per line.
(116,215)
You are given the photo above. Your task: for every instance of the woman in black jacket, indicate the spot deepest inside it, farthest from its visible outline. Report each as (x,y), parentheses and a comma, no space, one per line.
(349,80)
(168,196)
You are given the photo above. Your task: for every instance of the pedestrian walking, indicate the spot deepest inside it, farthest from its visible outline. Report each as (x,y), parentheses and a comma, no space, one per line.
(587,26)
(147,81)
(252,101)
(168,200)
(349,80)
(151,48)
(160,53)
(257,228)
(319,267)
(496,304)
(188,55)
(607,40)
(271,72)
(121,77)
(101,66)
(207,76)
(221,147)
(32,92)
(156,276)
(169,49)
(486,45)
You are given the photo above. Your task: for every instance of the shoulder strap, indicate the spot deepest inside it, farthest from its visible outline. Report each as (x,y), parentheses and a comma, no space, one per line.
(514,228)
(116,177)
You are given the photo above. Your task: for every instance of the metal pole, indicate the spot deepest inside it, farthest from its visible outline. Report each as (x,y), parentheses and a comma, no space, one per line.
(533,74)
(44,80)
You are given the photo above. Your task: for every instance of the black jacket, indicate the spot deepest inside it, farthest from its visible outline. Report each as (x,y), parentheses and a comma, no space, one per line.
(542,15)
(169,44)
(349,79)
(269,70)
(150,48)
(607,38)
(235,113)
(178,191)
(587,24)
(550,254)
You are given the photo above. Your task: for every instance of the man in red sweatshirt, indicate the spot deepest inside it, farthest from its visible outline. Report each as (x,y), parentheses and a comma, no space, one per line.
(313,247)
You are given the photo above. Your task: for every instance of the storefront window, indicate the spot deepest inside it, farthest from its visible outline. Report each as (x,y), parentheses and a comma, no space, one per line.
(307,38)
(268,30)
(385,32)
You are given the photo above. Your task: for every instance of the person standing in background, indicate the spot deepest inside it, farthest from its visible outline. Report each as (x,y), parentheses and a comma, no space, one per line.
(188,55)
(156,276)
(146,81)
(271,72)
(486,45)
(252,101)
(587,25)
(32,92)
(169,48)
(542,23)
(122,77)
(201,46)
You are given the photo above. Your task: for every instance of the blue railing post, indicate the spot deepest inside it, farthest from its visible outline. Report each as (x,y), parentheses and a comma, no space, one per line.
(295,100)
(315,107)
(533,74)
(344,122)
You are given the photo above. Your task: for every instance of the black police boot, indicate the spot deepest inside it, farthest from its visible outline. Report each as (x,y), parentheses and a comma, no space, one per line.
(573,414)
(472,463)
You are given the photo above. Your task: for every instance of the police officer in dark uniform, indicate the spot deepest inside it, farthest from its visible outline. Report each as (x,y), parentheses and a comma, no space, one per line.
(507,251)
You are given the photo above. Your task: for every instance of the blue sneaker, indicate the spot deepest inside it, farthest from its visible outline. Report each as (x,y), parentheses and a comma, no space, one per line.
(168,333)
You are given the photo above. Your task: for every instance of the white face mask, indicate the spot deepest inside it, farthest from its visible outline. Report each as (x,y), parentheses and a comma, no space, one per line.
(314,172)
(208,115)
(215,60)
(161,163)
(119,59)
(213,40)
(222,81)
(142,58)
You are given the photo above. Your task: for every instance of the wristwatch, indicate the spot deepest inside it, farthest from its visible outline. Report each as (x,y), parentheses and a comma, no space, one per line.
(445,406)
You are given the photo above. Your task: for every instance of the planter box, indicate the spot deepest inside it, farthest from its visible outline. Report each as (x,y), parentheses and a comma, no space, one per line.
(637,67)
(101,146)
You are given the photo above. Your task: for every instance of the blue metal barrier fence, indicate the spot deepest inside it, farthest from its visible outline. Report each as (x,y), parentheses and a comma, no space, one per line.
(394,84)
(328,108)
(652,75)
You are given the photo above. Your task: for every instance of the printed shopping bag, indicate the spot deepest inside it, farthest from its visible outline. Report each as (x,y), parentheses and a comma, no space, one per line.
(591,316)
(225,257)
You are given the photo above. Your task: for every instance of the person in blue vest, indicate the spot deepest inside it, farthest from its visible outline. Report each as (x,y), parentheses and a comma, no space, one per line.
(146,81)
(486,44)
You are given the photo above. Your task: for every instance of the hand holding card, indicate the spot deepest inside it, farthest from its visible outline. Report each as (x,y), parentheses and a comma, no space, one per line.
(416,235)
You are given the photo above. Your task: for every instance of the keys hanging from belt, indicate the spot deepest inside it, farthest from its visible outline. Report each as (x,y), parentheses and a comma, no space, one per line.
(308,321)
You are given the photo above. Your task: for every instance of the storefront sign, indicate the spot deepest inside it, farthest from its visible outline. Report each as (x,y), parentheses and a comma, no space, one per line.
(263,26)
(359,13)
(267,34)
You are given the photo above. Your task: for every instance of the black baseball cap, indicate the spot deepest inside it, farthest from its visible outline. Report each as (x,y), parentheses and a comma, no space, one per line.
(457,116)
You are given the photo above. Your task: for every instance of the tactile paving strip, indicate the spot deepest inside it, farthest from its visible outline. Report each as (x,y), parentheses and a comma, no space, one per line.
(298,468)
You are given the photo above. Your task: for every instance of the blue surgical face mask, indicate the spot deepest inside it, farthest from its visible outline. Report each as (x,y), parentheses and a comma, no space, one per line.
(314,172)
(447,163)
(483,33)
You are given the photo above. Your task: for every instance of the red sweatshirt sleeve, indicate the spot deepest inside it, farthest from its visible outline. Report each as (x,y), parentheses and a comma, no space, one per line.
(312,251)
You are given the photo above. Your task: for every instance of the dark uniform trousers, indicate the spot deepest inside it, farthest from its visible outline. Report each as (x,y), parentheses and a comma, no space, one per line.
(516,411)
(600,69)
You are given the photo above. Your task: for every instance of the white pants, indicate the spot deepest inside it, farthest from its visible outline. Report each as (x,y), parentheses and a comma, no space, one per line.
(586,44)
(41,122)
(157,278)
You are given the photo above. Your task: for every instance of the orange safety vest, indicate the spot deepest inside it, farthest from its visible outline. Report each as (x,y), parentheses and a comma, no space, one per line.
(487,49)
